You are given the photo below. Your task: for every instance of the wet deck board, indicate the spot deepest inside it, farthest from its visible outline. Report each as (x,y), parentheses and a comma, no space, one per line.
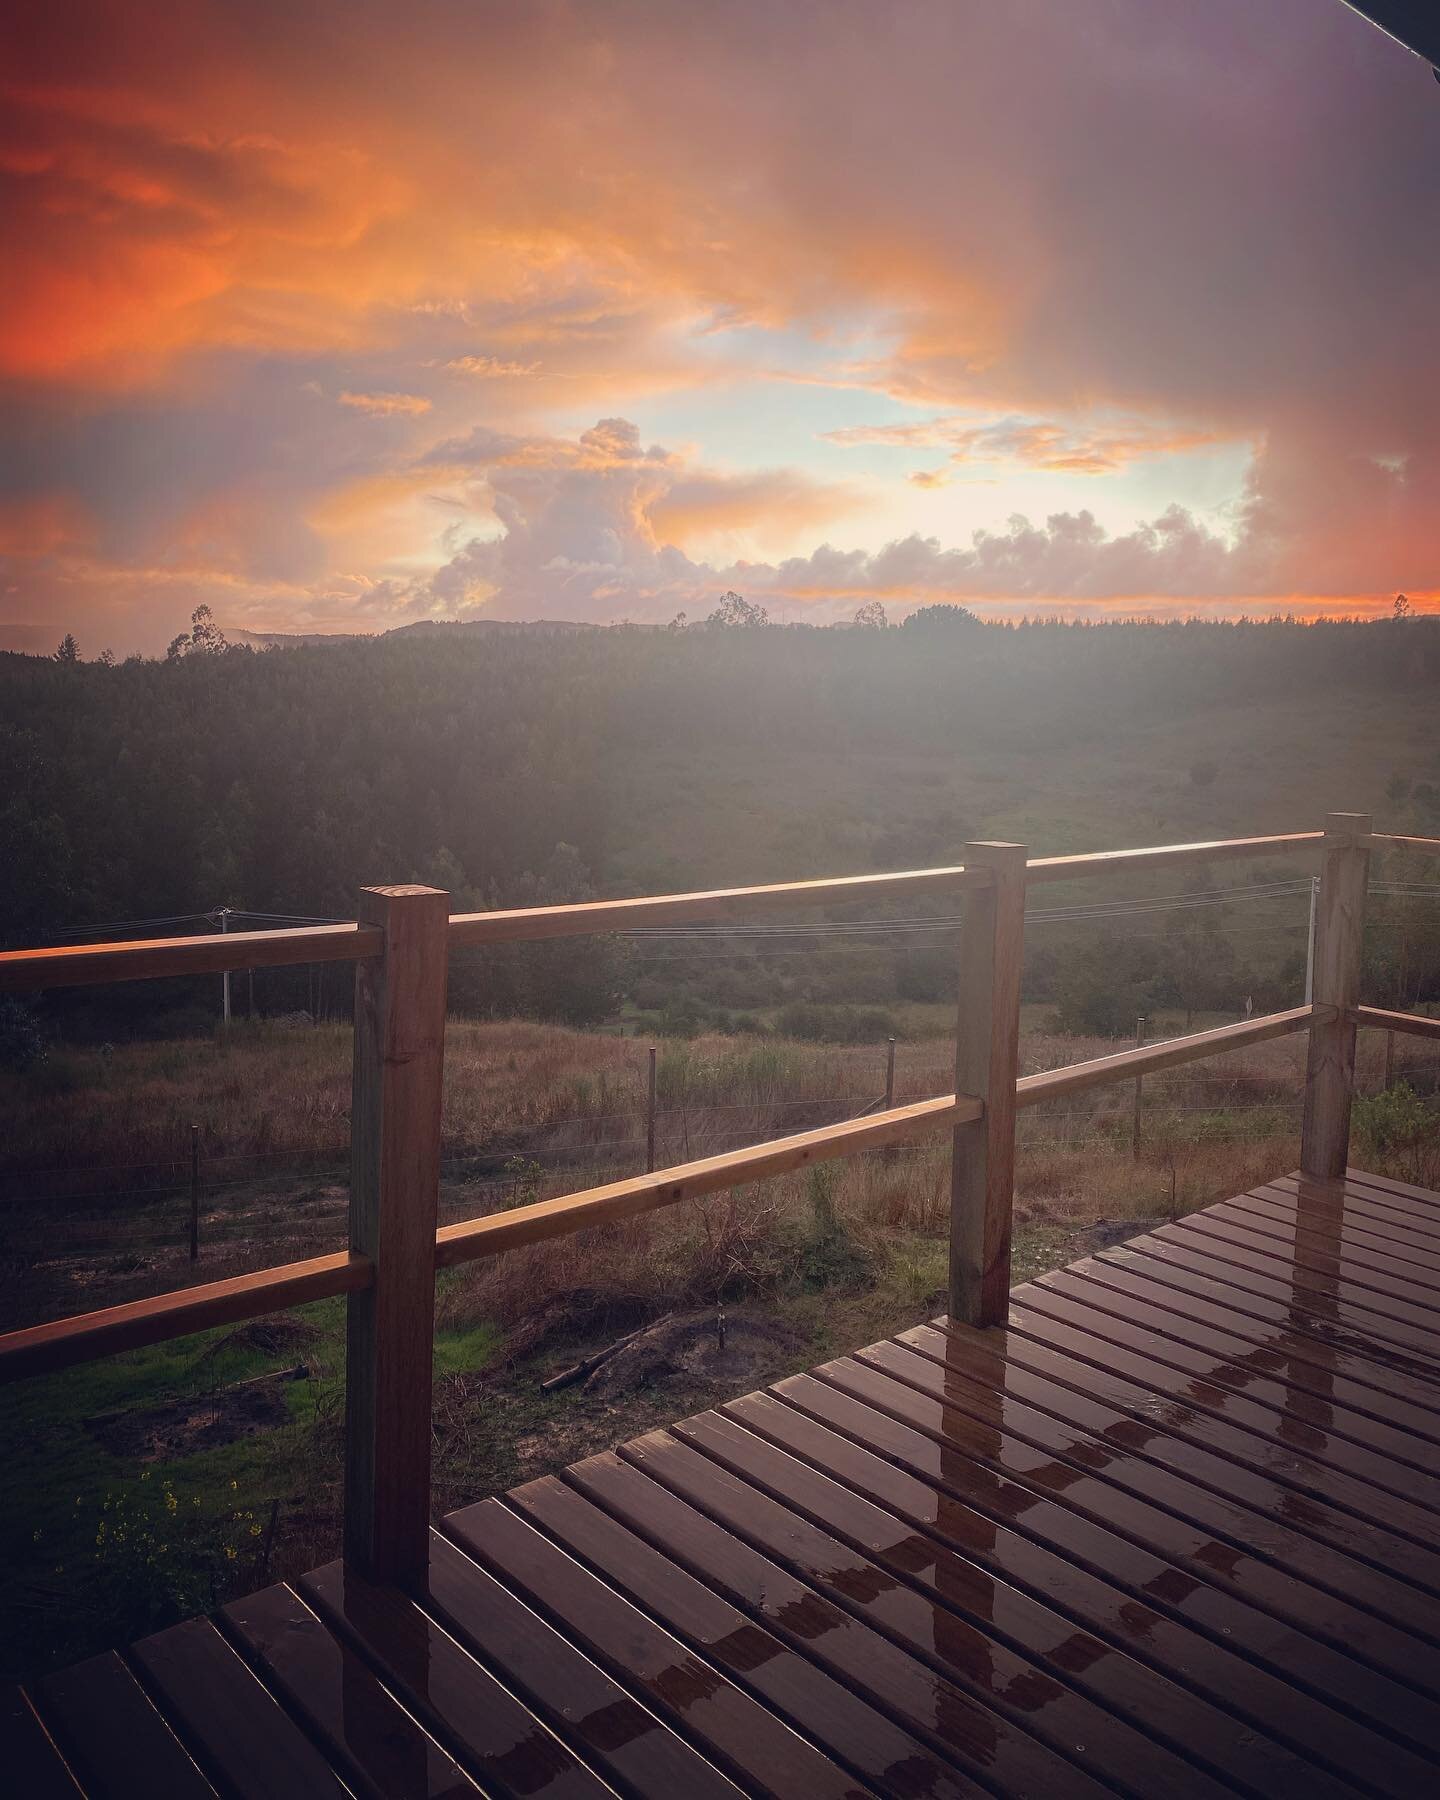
(1175,1529)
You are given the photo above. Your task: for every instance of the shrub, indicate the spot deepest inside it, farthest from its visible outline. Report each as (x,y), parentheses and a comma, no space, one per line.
(21,1044)
(835,1024)
(1395,1120)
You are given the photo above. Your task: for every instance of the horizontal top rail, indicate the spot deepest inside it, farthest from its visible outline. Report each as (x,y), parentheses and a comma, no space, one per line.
(592,916)
(151,959)
(1416,1024)
(1390,840)
(1119,862)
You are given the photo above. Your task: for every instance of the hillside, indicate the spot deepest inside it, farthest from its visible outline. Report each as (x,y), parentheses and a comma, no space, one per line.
(513,768)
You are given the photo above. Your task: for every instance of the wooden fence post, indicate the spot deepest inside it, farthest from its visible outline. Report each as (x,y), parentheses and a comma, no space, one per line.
(987,1056)
(394,1186)
(1139,1086)
(194,1193)
(650,1114)
(1339,936)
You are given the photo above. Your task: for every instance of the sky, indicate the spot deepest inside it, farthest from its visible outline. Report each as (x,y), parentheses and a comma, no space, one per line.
(339,316)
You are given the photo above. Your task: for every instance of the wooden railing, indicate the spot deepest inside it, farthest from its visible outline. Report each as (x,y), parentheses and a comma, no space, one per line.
(400,944)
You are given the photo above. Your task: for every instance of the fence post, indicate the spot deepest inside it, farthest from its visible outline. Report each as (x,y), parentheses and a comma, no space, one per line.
(194,1193)
(1339,935)
(1139,1084)
(394,1185)
(987,1056)
(650,1116)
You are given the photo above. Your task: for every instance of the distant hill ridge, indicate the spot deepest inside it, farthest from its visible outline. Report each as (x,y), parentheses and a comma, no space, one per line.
(281,640)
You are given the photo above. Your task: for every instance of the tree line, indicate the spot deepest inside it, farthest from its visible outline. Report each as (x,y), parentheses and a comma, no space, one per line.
(503,766)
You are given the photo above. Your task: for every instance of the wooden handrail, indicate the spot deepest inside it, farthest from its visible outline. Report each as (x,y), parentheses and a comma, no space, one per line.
(1389,840)
(149,959)
(1416,1024)
(593,916)
(61,1343)
(497,1232)
(1050,1084)
(1120,862)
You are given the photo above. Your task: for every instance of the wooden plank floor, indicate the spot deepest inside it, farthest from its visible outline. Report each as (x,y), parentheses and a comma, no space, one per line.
(1175,1531)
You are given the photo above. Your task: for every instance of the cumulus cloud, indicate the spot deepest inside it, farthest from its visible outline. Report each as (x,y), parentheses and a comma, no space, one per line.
(581,534)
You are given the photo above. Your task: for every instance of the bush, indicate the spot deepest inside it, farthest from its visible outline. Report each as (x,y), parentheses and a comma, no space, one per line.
(835,1024)
(1394,1121)
(21,1044)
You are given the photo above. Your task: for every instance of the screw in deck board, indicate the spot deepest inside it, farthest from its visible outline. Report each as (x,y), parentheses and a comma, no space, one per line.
(394,1195)
(987,1057)
(1339,939)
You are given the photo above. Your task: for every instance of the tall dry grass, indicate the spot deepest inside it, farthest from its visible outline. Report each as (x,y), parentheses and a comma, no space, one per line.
(533,1110)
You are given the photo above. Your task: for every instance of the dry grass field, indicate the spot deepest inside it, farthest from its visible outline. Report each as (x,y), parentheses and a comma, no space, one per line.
(157,1482)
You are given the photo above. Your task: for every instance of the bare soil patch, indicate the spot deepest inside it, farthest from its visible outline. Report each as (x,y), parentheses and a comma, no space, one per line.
(202,1422)
(692,1348)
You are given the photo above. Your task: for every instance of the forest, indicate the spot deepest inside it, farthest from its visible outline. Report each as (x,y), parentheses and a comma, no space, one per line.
(518,766)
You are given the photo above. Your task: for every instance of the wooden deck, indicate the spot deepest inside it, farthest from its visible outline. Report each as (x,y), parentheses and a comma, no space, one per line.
(1175,1531)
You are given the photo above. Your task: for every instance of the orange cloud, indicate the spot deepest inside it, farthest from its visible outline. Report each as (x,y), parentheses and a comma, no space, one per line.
(764,506)
(1142,259)
(490,367)
(383,406)
(1079,447)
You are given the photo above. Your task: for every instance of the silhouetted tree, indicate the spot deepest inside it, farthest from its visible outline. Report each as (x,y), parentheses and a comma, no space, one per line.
(204,638)
(736,612)
(943,616)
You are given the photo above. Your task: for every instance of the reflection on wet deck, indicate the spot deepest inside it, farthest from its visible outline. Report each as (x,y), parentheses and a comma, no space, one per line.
(1175,1530)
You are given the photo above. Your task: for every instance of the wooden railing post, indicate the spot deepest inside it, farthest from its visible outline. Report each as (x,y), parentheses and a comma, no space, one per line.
(987,1056)
(394,1186)
(1339,935)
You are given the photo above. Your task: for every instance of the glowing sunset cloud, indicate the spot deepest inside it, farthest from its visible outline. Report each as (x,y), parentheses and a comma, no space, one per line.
(341,315)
